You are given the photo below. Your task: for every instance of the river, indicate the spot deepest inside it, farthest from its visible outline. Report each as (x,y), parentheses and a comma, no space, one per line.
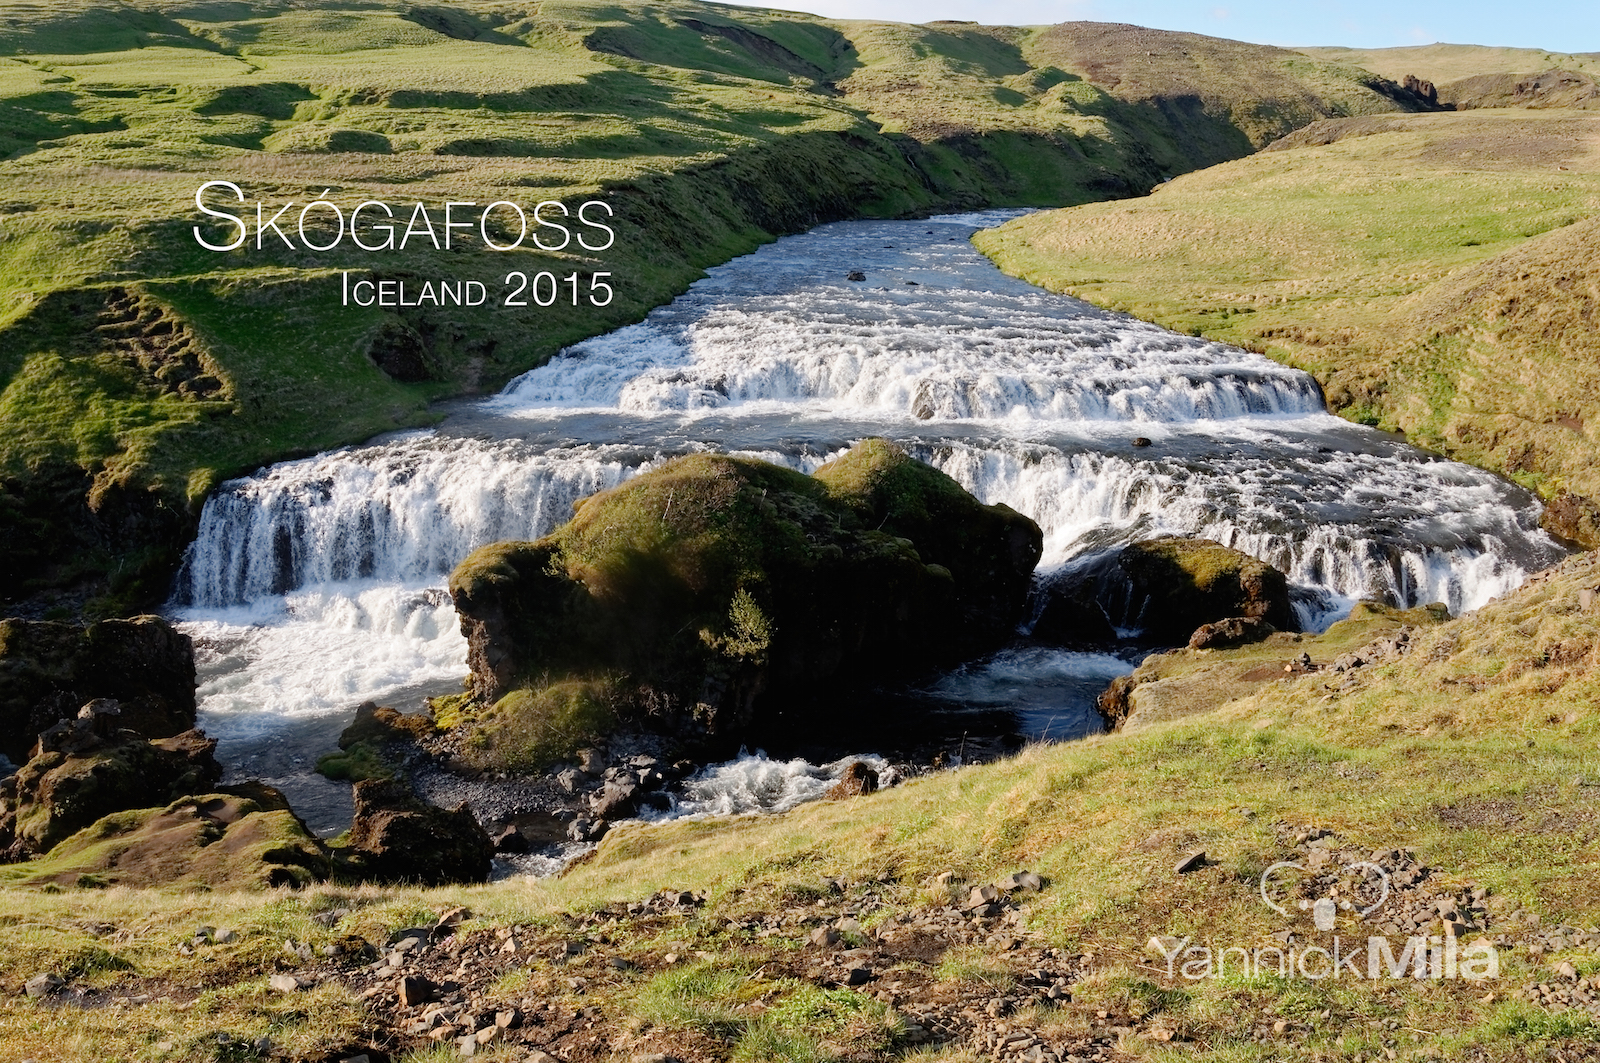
(316,584)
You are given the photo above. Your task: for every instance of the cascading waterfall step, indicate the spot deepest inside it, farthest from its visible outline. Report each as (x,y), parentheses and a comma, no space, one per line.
(317,584)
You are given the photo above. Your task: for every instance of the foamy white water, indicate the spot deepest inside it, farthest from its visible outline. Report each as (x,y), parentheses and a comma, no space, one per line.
(753,782)
(317,584)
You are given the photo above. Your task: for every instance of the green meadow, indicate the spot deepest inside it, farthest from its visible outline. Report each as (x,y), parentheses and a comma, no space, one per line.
(1436,273)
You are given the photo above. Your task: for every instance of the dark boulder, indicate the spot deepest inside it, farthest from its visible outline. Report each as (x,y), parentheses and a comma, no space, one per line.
(1226,634)
(81,775)
(49,670)
(1177,585)
(858,780)
(698,593)
(395,837)
(1069,615)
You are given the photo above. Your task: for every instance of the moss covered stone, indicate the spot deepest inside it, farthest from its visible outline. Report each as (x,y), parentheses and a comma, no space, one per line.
(1176,585)
(238,838)
(63,790)
(714,586)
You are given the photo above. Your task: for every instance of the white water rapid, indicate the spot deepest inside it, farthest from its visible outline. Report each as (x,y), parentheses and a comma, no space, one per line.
(317,584)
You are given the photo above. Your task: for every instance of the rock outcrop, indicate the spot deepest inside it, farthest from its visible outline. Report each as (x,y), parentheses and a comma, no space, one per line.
(1176,585)
(49,670)
(1573,518)
(1226,634)
(86,769)
(715,585)
(396,837)
(242,837)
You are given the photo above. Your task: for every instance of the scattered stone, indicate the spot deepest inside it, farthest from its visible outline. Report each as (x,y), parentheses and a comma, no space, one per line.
(1191,862)
(982,897)
(1021,880)
(855,275)
(416,990)
(44,985)
(1141,441)
(619,799)
(283,983)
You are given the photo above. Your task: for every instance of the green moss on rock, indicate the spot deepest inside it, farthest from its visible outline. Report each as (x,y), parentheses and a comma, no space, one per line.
(1179,584)
(238,838)
(715,585)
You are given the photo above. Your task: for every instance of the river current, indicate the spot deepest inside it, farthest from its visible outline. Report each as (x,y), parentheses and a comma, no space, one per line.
(314,585)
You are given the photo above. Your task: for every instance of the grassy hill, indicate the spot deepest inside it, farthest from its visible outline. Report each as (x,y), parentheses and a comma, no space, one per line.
(1469,761)
(1469,76)
(1444,63)
(1437,273)
(137,369)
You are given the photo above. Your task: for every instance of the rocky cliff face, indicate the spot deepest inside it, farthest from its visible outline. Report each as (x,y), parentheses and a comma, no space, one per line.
(714,587)
(49,671)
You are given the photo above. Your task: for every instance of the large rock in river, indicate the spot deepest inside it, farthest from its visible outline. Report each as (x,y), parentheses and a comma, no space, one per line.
(396,837)
(49,670)
(1166,589)
(1176,585)
(715,585)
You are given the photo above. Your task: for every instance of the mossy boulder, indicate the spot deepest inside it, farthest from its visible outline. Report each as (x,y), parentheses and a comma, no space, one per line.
(713,586)
(376,740)
(243,837)
(86,776)
(1176,585)
(49,670)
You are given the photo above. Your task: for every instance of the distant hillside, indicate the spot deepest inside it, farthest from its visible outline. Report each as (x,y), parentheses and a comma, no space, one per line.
(1469,76)
(137,369)
(1439,274)
(1442,63)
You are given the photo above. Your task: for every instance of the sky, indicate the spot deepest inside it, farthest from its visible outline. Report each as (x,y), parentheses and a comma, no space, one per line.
(1556,25)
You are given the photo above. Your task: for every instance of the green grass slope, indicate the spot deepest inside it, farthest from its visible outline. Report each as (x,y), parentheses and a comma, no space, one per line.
(1436,273)
(1469,76)
(1444,63)
(1475,751)
(137,369)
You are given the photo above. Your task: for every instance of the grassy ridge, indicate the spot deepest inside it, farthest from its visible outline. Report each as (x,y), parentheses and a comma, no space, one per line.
(1476,750)
(709,129)
(1436,273)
